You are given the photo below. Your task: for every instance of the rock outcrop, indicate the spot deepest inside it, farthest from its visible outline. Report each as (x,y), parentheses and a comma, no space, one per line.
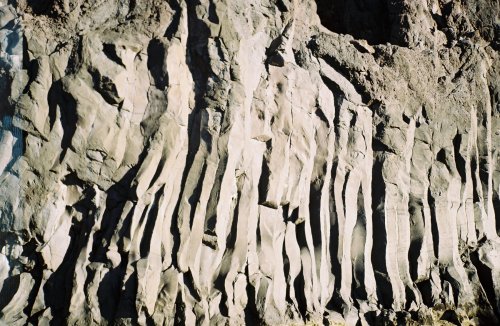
(249,162)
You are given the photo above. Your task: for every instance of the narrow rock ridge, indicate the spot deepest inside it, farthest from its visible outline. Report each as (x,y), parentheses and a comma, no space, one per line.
(249,162)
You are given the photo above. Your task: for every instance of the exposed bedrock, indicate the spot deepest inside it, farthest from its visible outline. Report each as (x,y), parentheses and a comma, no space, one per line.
(261,162)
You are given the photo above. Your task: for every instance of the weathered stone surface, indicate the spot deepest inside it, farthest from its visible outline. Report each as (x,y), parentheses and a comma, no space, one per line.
(249,162)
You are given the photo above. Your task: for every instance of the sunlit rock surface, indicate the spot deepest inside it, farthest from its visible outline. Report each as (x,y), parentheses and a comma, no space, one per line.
(250,162)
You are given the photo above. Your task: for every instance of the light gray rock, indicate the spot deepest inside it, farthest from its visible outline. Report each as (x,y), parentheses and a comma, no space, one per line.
(249,162)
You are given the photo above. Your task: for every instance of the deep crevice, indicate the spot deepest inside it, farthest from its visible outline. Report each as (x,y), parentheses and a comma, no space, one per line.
(363,19)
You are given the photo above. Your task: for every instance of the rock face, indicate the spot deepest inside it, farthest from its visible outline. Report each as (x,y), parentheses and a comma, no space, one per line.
(261,162)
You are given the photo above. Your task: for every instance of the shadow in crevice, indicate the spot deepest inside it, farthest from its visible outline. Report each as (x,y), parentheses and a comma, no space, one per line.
(434,225)
(152,216)
(197,59)
(117,197)
(335,302)
(358,286)
(299,282)
(215,195)
(29,250)
(175,23)
(9,289)
(496,209)
(417,229)
(251,311)
(58,289)
(315,198)
(459,159)
(231,238)
(110,288)
(378,256)
(486,279)
(263,185)
(41,7)
(363,19)
(126,308)
(58,98)
(156,63)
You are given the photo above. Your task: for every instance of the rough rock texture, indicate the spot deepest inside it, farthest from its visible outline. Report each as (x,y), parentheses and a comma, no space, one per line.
(229,162)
